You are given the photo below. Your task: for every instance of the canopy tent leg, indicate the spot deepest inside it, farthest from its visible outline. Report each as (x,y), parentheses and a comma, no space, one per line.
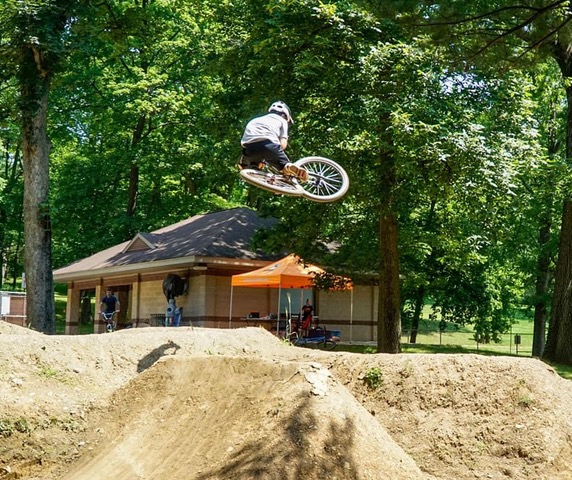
(230,309)
(278,315)
(351,313)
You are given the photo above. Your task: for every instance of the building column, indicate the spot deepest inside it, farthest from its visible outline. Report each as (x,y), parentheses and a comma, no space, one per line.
(135,301)
(72,310)
(98,323)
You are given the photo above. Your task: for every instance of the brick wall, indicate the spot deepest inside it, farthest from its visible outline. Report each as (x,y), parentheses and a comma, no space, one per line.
(13,307)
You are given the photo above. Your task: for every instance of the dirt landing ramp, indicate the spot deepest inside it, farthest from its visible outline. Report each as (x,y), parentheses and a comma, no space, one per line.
(219,417)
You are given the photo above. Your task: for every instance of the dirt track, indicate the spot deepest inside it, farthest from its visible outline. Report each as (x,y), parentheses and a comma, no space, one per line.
(203,404)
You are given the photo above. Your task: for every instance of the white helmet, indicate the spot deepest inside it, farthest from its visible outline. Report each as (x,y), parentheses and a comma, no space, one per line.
(281,107)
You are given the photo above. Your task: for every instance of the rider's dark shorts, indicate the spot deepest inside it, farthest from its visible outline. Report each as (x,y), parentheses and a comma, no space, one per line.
(254,153)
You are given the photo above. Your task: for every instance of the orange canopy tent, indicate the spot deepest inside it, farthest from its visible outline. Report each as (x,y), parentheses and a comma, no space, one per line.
(289,272)
(286,273)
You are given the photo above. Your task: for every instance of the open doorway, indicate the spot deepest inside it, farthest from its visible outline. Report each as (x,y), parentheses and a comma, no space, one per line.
(86,311)
(123,294)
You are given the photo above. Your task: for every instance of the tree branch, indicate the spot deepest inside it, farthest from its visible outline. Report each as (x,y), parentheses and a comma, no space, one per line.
(496,12)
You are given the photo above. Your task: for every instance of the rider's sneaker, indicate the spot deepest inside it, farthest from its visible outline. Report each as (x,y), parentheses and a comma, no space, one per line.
(299,172)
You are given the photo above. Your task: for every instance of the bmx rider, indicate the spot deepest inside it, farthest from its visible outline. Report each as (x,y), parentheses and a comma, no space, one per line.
(109,306)
(266,137)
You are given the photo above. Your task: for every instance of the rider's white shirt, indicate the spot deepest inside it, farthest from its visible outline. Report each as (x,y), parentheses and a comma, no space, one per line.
(267,127)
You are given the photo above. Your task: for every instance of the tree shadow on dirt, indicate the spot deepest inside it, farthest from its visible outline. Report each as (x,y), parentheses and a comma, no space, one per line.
(154,355)
(298,449)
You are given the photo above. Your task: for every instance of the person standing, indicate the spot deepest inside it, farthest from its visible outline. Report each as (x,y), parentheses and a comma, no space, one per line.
(307,312)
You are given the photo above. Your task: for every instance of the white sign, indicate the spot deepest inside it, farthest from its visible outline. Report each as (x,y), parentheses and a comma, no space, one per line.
(5,307)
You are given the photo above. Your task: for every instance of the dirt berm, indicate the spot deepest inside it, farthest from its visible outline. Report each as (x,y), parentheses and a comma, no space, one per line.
(202,404)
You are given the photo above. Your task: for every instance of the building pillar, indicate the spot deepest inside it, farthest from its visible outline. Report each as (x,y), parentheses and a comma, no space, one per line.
(135,302)
(72,310)
(98,323)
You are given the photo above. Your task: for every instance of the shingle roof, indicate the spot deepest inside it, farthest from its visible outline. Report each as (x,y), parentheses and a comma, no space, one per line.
(225,234)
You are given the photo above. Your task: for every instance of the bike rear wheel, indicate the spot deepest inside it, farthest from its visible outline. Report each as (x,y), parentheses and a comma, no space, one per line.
(273,182)
(328,181)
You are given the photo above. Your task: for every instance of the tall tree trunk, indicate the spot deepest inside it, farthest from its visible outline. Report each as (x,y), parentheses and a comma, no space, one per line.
(134,170)
(559,343)
(37,226)
(389,307)
(389,321)
(133,190)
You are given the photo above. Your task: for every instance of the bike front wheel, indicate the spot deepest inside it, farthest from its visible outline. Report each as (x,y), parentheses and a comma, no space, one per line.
(272,182)
(329,344)
(328,181)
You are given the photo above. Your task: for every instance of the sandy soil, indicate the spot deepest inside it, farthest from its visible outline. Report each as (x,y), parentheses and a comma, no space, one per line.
(156,403)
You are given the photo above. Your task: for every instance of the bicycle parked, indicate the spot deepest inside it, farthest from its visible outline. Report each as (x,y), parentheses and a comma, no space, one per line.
(318,337)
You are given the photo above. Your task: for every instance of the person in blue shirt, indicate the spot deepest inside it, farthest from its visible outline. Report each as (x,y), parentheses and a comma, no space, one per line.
(266,138)
(109,303)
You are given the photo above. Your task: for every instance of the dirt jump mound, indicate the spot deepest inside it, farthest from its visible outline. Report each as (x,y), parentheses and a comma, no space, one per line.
(206,404)
(241,418)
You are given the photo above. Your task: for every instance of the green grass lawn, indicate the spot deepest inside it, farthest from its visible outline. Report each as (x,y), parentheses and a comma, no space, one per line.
(460,339)
(60,306)
(564,371)
(455,336)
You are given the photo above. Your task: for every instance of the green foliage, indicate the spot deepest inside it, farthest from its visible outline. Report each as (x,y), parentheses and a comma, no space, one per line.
(462,143)
(6,428)
(373,378)
(148,101)
(518,37)
(48,371)
(11,187)
(21,425)
(142,126)
(328,281)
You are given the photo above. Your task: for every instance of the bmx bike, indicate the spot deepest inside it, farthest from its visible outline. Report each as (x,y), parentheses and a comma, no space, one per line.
(327,180)
(109,319)
(317,338)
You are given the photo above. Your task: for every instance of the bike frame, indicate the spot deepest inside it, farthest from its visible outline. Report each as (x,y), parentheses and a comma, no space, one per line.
(327,180)
(109,319)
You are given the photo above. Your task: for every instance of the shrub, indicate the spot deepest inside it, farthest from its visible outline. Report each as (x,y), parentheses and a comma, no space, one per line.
(373,378)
